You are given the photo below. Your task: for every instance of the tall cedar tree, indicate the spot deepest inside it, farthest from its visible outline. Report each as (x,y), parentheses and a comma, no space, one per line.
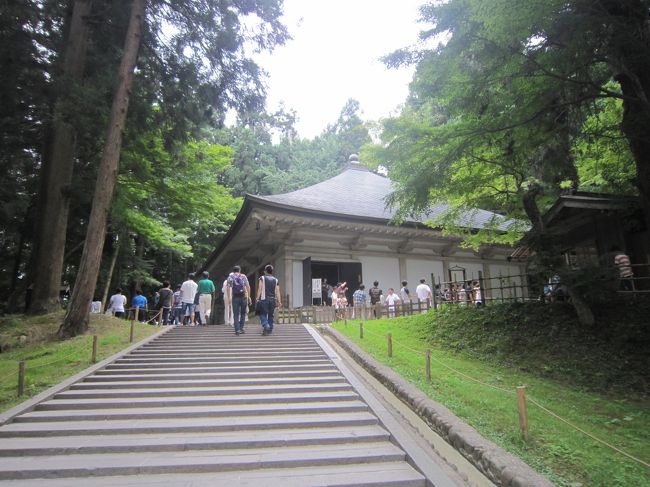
(76,319)
(56,173)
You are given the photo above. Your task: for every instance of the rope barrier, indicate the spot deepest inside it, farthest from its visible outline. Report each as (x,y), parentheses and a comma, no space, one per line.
(7,377)
(577,428)
(65,357)
(501,389)
(12,374)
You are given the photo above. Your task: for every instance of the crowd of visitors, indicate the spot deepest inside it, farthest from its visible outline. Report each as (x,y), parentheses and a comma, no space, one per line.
(190,304)
(336,296)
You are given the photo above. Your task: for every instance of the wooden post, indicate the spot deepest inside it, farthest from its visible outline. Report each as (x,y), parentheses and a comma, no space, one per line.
(428,363)
(389,337)
(501,287)
(21,378)
(523,416)
(361,329)
(433,292)
(132,327)
(94,357)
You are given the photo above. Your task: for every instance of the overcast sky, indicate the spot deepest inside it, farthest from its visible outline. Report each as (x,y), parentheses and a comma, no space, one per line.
(334,56)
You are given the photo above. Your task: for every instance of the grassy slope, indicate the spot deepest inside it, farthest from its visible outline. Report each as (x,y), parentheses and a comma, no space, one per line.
(48,360)
(585,376)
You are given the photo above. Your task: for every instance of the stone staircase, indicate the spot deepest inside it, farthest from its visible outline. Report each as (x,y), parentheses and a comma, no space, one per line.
(203,407)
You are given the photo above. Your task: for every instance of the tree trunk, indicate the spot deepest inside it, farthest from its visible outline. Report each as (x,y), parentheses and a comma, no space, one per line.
(76,320)
(56,174)
(630,47)
(582,309)
(636,127)
(111,268)
(139,253)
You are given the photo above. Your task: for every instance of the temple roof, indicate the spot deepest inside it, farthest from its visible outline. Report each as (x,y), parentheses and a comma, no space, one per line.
(358,192)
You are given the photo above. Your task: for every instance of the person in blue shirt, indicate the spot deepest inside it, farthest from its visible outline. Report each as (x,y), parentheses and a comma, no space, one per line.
(139,303)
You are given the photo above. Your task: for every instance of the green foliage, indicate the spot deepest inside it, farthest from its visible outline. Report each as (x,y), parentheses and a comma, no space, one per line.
(174,200)
(161,194)
(264,165)
(501,113)
(605,163)
(193,66)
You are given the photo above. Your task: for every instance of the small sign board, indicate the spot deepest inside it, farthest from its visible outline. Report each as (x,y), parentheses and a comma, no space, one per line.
(316,288)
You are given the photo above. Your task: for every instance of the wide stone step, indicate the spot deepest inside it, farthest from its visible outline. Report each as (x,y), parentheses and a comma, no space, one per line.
(194,400)
(203,391)
(388,474)
(119,381)
(66,445)
(200,406)
(261,353)
(127,427)
(224,360)
(213,411)
(136,463)
(211,366)
(205,371)
(252,348)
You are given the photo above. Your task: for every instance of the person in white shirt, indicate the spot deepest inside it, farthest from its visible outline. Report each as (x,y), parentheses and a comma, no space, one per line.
(116,303)
(228,318)
(392,300)
(423,292)
(188,293)
(404,293)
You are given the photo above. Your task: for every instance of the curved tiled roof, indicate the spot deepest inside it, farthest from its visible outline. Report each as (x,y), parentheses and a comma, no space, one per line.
(361,193)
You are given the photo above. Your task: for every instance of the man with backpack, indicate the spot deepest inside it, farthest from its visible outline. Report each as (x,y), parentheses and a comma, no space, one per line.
(240,293)
(268,297)
(165,301)
(375,296)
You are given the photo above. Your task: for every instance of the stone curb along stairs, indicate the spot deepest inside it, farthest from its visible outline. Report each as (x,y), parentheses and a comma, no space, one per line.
(200,406)
(501,467)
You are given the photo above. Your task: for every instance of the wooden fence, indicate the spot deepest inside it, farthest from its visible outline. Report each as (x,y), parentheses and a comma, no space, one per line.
(328,314)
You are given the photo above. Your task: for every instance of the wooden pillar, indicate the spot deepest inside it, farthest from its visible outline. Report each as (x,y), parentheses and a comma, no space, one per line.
(402,270)
(487,284)
(445,271)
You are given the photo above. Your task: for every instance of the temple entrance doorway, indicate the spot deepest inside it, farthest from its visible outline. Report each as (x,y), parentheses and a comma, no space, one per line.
(335,272)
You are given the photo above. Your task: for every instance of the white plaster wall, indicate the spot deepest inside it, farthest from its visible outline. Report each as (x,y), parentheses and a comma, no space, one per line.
(382,269)
(296,292)
(501,278)
(416,269)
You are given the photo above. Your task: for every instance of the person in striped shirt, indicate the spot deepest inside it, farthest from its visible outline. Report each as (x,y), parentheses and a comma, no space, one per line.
(624,265)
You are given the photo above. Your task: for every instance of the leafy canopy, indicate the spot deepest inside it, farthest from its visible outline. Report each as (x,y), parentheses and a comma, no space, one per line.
(502,98)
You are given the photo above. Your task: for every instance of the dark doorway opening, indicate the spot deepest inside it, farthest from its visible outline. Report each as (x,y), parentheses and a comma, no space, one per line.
(336,272)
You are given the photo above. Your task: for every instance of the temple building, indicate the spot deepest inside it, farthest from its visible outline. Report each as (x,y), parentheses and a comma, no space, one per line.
(341,230)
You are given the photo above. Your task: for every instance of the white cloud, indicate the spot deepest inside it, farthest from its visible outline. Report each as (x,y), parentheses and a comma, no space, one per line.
(334,56)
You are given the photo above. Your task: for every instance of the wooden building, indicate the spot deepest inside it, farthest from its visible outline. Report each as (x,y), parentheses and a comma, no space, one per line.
(341,229)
